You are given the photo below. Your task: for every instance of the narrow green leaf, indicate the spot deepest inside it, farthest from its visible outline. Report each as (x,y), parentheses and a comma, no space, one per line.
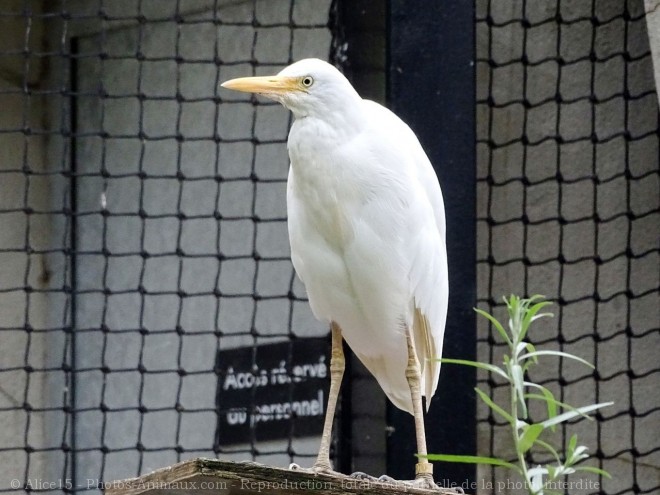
(564,470)
(556,353)
(550,398)
(530,347)
(595,470)
(580,411)
(576,410)
(529,436)
(572,444)
(530,315)
(529,302)
(471,459)
(498,326)
(511,303)
(476,364)
(493,406)
(578,455)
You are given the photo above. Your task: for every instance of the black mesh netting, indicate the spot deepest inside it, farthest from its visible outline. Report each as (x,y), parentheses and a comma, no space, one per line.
(568,207)
(143,229)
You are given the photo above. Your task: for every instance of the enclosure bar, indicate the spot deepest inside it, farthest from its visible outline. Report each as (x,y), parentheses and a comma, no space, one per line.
(73,239)
(359,34)
(431,86)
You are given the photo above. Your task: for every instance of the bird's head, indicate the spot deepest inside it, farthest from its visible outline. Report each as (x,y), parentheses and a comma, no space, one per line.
(307,87)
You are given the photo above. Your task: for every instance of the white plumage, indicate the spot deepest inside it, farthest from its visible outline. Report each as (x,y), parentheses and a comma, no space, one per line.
(366,223)
(367,232)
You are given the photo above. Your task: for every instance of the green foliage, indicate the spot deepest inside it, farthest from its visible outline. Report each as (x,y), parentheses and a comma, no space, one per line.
(521,357)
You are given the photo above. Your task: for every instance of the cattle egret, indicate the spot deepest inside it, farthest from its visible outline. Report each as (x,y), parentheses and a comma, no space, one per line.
(367,231)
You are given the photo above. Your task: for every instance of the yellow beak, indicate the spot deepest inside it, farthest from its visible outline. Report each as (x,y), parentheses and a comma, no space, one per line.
(263,85)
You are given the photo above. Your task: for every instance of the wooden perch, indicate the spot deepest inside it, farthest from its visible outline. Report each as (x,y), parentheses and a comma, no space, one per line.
(215,477)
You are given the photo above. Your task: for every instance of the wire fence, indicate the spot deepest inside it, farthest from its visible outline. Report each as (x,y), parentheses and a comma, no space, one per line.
(568,207)
(145,237)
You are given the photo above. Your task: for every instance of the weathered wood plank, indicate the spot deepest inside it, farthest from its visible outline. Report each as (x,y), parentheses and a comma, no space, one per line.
(215,477)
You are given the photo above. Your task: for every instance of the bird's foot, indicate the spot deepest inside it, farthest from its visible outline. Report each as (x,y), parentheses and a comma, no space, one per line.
(359,475)
(317,469)
(423,481)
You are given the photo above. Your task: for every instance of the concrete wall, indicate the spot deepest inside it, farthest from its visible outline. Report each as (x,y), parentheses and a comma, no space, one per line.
(605,250)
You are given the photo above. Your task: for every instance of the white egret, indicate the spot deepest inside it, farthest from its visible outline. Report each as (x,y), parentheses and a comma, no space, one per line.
(367,231)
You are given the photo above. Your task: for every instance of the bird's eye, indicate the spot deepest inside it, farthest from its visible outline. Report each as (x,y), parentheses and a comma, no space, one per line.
(307,81)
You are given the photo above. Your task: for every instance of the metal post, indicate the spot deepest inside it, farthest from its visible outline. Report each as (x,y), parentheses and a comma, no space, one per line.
(431,86)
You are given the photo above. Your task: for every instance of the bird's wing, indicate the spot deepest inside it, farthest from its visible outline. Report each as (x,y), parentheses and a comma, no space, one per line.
(431,312)
(430,289)
(368,242)
(426,249)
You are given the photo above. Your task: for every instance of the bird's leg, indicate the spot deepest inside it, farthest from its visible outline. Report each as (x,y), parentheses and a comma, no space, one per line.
(337,364)
(423,468)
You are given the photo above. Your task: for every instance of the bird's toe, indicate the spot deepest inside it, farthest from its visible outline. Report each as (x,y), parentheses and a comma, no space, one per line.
(386,479)
(424,482)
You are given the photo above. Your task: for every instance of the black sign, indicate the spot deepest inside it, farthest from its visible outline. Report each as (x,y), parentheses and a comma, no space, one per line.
(272,391)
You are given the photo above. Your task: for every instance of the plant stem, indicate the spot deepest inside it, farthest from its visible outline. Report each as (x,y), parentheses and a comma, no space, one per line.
(514,407)
(516,439)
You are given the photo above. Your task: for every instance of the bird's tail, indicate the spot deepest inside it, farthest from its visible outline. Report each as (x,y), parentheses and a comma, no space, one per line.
(426,354)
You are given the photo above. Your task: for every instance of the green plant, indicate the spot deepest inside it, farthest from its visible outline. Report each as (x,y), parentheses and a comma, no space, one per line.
(521,357)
